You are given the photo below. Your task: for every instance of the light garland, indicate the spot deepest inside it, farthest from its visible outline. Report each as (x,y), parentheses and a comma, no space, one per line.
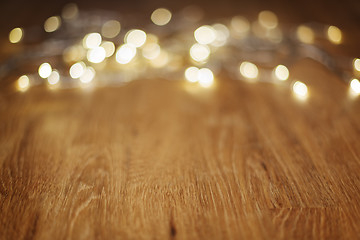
(94,48)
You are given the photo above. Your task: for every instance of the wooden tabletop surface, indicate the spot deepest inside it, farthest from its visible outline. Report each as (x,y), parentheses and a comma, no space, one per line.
(159,159)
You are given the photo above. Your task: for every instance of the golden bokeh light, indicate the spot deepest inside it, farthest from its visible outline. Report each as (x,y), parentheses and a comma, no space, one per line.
(268,19)
(45,70)
(70,11)
(88,75)
(281,72)
(77,70)
(305,34)
(74,54)
(96,55)
(355,86)
(135,37)
(300,89)
(151,51)
(16,35)
(356,64)
(109,48)
(125,53)
(23,83)
(111,29)
(240,26)
(161,60)
(334,34)
(222,35)
(191,74)
(205,34)
(199,52)
(52,24)
(161,16)
(249,70)
(205,77)
(54,77)
(92,40)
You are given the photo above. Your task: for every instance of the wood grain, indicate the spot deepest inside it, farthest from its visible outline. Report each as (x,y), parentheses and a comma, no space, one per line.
(159,160)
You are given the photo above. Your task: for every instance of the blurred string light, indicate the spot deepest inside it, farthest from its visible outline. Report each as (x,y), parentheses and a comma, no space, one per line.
(247,50)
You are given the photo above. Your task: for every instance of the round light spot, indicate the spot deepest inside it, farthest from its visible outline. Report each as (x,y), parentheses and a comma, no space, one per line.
(249,70)
(23,82)
(135,37)
(356,64)
(77,69)
(205,34)
(355,86)
(96,55)
(300,89)
(125,53)
(161,16)
(268,19)
(70,11)
(88,75)
(111,29)
(45,70)
(334,34)
(109,48)
(281,72)
(305,34)
(199,52)
(191,74)
(206,77)
(16,35)
(92,40)
(151,51)
(54,77)
(52,24)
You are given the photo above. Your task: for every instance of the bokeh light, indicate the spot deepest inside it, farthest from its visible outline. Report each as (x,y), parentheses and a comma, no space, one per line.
(70,11)
(151,51)
(54,77)
(199,52)
(191,74)
(92,40)
(111,29)
(305,34)
(205,77)
(334,34)
(16,35)
(23,83)
(77,69)
(88,75)
(281,72)
(356,64)
(109,48)
(249,70)
(125,53)
(96,55)
(355,86)
(205,34)
(240,26)
(161,16)
(268,19)
(135,37)
(52,24)
(45,70)
(300,89)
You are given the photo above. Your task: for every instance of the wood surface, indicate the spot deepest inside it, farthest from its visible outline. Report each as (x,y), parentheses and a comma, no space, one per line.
(159,159)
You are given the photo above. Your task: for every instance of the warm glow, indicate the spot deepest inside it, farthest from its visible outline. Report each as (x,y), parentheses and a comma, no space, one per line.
(92,40)
(135,37)
(23,82)
(305,34)
(356,64)
(88,75)
(161,16)
(96,55)
(268,19)
(222,35)
(70,11)
(16,35)
(300,89)
(240,26)
(199,52)
(125,53)
(334,34)
(161,60)
(205,34)
(205,77)
(77,69)
(151,51)
(109,48)
(191,74)
(111,29)
(281,72)
(45,70)
(52,24)
(74,54)
(54,77)
(249,70)
(355,86)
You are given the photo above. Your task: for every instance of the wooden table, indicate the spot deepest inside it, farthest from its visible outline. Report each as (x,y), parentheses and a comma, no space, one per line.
(158,159)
